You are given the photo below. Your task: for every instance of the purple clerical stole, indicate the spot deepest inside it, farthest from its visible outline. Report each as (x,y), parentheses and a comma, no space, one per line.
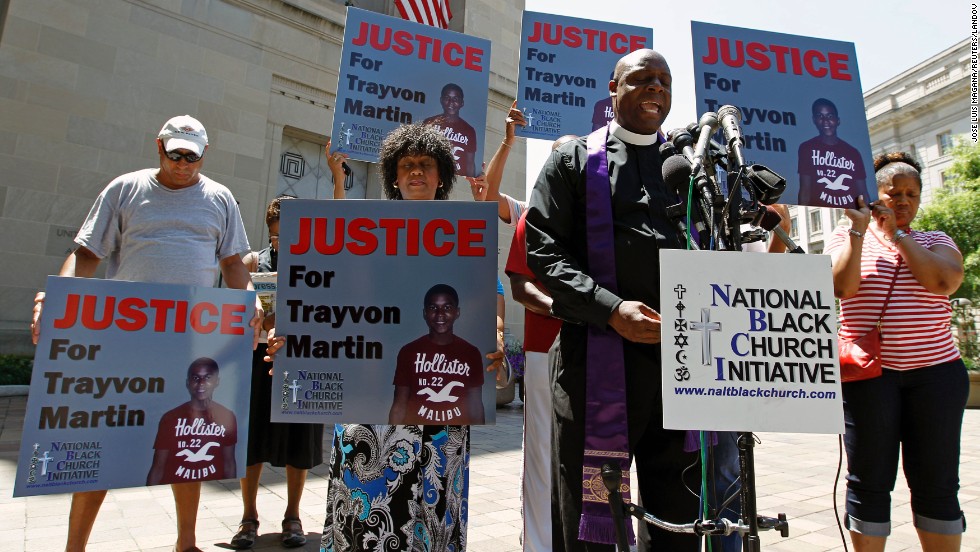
(606,429)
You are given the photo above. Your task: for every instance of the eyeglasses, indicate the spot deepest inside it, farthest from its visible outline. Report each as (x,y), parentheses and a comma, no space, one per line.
(176,156)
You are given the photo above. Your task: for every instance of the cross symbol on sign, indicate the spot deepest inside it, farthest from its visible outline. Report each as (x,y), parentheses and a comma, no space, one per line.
(705,327)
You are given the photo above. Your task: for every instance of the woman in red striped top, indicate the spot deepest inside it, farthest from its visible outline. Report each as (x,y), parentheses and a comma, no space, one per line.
(917,404)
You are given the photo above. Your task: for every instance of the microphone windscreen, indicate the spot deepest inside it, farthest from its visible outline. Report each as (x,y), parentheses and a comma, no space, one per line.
(681,138)
(677,174)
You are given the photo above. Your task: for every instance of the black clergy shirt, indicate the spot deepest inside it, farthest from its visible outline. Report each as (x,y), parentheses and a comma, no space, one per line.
(556,229)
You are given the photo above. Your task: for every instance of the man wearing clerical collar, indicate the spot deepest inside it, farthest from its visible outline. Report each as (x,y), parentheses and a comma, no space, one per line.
(558,253)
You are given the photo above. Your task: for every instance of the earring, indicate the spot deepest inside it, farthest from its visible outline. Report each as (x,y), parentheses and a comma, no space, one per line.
(396,185)
(440,185)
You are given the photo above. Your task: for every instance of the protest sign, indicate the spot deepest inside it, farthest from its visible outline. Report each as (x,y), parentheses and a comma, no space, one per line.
(744,351)
(265,286)
(801,106)
(565,69)
(388,308)
(136,384)
(394,71)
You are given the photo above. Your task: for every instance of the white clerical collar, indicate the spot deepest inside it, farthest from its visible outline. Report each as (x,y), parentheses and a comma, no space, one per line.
(631,137)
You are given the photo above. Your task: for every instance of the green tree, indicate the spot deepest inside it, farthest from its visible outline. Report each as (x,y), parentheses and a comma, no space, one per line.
(956,211)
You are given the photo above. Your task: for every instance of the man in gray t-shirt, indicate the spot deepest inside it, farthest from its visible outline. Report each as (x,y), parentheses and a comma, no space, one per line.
(167,225)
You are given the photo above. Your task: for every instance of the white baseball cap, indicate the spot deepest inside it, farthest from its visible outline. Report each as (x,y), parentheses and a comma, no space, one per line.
(184,132)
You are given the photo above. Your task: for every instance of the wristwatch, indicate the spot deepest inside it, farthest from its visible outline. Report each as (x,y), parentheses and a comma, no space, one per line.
(898,236)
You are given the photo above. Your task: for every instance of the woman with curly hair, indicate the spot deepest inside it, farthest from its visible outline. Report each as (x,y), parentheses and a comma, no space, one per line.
(883,269)
(402,487)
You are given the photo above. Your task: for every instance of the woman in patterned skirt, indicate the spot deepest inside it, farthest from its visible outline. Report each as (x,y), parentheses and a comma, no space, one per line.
(402,487)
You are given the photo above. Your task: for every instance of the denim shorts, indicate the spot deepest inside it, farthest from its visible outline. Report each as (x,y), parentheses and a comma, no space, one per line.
(919,412)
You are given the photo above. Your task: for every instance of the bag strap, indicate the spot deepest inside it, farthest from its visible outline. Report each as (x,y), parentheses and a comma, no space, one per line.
(891,288)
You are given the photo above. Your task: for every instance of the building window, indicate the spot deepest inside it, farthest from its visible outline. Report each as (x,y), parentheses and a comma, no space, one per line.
(945,141)
(815,222)
(947,182)
(835,217)
(794,227)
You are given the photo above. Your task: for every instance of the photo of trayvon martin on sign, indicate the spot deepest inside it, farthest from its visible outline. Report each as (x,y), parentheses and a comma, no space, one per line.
(395,72)
(431,367)
(563,87)
(388,310)
(801,106)
(136,384)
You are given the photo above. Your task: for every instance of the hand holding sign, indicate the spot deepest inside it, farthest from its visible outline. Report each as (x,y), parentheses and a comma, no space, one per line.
(514,117)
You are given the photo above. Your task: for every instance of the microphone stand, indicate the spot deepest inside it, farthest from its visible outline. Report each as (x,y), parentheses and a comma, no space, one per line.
(717,206)
(678,213)
(790,244)
(724,217)
(746,440)
(612,478)
(746,468)
(707,201)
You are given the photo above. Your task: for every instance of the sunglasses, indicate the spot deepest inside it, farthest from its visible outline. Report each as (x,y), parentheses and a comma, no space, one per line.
(176,156)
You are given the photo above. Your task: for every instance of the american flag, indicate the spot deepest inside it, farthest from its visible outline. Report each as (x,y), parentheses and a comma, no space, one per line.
(428,12)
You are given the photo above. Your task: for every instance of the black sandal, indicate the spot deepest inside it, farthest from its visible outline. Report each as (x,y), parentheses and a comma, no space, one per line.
(245,537)
(293,535)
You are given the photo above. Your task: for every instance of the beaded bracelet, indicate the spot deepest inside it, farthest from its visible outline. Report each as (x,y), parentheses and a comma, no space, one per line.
(855,233)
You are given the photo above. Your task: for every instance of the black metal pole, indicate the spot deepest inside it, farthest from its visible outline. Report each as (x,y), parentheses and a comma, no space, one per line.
(612,478)
(746,466)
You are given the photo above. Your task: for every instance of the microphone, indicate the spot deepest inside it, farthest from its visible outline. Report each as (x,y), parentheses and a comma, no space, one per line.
(677,177)
(730,118)
(682,142)
(715,152)
(708,124)
(676,173)
(769,219)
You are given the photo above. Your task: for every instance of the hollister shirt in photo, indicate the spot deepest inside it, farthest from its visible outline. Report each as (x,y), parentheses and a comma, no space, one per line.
(195,440)
(834,171)
(459,132)
(439,378)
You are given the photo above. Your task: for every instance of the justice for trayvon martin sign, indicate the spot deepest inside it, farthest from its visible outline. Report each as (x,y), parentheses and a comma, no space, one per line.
(136,384)
(566,66)
(388,309)
(749,342)
(394,72)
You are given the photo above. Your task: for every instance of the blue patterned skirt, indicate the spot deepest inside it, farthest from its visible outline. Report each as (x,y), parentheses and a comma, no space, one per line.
(397,488)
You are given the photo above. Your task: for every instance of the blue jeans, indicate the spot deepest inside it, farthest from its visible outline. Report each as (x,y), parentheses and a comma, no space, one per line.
(921,412)
(725,473)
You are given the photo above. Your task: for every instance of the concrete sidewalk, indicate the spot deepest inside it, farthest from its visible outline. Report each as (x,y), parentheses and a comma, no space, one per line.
(795,476)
